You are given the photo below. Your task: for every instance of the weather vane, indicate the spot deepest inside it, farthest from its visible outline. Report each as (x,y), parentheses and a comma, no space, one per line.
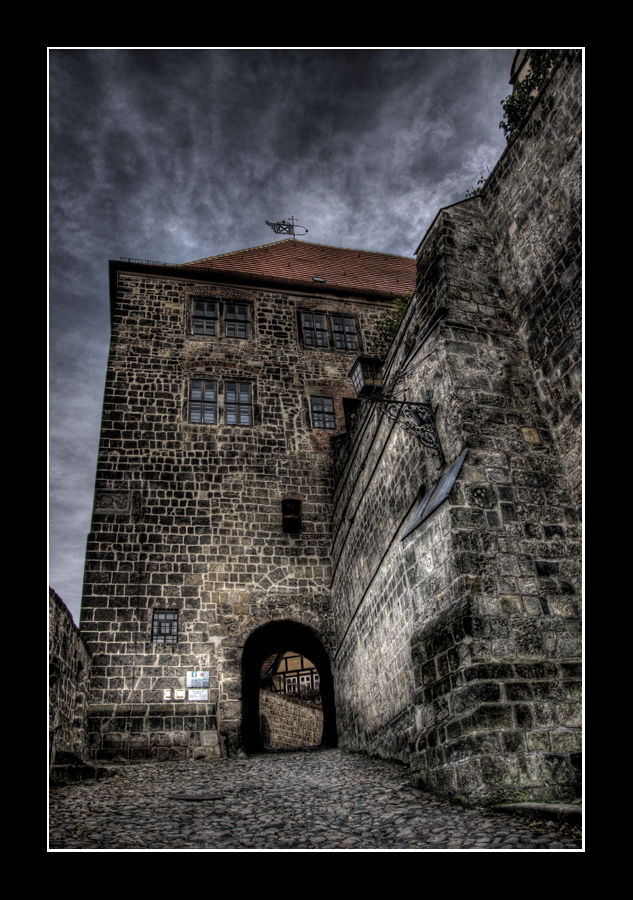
(286,227)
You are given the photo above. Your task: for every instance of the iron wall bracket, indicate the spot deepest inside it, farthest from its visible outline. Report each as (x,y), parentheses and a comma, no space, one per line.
(417,418)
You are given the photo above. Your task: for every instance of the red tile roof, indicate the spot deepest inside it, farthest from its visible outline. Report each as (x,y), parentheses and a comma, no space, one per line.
(298,262)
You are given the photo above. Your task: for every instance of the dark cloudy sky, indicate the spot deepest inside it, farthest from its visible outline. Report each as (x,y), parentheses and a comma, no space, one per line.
(173,155)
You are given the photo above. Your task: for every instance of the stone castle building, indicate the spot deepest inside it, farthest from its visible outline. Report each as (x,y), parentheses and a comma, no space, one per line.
(246,504)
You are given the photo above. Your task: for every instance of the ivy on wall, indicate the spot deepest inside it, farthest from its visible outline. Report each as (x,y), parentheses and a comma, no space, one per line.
(516,105)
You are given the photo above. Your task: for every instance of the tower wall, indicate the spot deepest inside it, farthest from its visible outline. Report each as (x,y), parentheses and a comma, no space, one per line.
(533,204)
(459,644)
(188,516)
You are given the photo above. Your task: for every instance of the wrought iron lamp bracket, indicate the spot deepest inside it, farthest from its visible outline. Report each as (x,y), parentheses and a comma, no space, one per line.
(417,418)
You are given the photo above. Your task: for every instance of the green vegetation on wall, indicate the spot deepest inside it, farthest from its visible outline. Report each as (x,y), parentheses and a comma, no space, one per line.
(516,105)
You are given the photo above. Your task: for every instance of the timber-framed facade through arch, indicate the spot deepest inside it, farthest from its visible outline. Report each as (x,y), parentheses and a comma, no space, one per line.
(275,637)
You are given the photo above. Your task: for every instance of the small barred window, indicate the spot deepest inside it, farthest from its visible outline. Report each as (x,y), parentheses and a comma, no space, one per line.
(165,627)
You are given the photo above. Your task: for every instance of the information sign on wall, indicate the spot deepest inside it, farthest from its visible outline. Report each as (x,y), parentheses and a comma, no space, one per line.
(197,679)
(198,695)
(180,693)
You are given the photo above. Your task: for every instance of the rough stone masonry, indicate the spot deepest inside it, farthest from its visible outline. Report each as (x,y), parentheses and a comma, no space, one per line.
(454,648)
(188,517)
(459,642)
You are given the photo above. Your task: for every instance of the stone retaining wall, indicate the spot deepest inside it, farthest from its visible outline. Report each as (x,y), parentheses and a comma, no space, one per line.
(459,642)
(289,723)
(136,731)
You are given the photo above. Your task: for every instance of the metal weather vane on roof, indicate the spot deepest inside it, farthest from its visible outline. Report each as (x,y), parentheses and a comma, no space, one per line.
(286,227)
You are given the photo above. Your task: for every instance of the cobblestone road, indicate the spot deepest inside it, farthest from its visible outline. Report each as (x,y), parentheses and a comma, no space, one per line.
(322,799)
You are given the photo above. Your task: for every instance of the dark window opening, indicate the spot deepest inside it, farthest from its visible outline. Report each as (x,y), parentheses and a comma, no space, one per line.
(291,516)
(350,410)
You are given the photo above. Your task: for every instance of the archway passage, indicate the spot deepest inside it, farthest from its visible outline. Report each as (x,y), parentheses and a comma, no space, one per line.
(290,708)
(276,637)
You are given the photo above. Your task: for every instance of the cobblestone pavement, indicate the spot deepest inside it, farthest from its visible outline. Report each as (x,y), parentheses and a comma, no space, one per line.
(320,799)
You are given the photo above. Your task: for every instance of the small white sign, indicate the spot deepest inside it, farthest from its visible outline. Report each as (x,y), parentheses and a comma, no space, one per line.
(167,694)
(199,695)
(180,693)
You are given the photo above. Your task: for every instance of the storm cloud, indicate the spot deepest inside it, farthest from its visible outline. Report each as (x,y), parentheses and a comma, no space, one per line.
(174,155)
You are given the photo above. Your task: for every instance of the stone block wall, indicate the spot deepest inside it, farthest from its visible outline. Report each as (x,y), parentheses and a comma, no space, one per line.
(188,516)
(69,678)
(533,202)
(385,476)
(132,732)
(290,723)
(493,732)
(459,644)
(514,550)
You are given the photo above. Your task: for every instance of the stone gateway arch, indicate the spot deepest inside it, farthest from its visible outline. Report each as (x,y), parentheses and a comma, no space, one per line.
(274,637)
